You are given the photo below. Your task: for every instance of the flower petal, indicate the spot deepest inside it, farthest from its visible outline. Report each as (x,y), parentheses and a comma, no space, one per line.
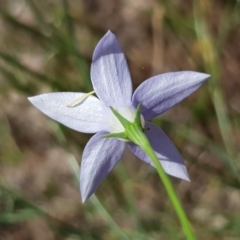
(100,156)
(159,93)
(86,117)
(109,72)
(165,150)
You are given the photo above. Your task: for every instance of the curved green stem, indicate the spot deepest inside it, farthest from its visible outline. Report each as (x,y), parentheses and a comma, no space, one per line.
(136,135)
(134,132)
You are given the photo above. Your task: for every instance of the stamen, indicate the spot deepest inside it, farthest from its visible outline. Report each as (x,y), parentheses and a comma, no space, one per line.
(80,99)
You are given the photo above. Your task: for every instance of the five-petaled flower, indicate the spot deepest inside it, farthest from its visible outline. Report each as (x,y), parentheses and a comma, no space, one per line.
(112,84)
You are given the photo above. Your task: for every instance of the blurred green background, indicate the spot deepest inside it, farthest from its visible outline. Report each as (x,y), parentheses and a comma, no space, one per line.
(46,46)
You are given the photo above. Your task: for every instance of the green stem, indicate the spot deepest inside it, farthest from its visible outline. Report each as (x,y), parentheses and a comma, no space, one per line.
(136,135)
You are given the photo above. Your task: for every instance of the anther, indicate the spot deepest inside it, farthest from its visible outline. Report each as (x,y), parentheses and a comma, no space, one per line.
(80,99)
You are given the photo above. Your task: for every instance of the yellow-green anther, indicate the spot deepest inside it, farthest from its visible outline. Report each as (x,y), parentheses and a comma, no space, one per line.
(80,99)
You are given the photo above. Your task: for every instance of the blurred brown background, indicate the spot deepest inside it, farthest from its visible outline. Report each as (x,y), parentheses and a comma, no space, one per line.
(46,46)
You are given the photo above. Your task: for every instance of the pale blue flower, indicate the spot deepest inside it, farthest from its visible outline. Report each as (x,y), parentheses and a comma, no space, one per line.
(112,84)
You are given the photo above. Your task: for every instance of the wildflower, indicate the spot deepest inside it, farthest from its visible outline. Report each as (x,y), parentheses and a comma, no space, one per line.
(112,84)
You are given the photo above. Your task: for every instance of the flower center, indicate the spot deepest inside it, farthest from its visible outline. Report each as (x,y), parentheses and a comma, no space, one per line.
(127,112)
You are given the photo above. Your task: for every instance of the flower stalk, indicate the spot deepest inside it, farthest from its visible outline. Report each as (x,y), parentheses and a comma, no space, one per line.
(139,138)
